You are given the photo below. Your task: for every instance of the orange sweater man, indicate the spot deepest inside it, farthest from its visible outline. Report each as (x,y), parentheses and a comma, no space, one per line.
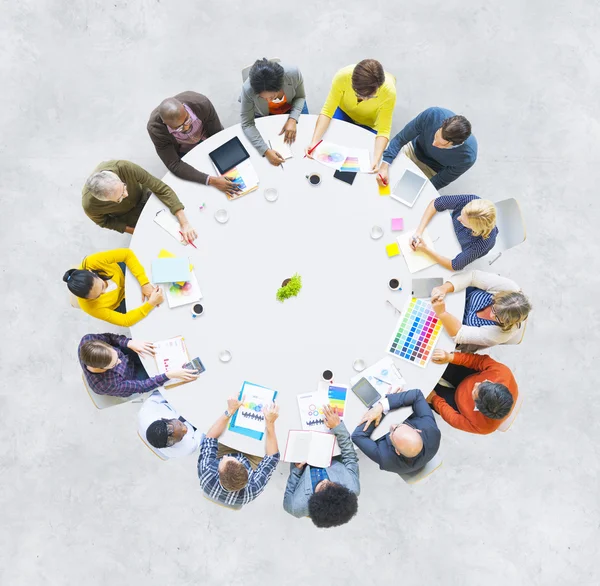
(484,395)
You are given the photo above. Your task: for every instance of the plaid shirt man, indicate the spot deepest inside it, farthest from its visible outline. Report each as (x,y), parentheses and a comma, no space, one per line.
(121,380)
(209,475)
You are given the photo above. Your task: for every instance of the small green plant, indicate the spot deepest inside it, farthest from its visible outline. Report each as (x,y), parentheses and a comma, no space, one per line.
(290,289)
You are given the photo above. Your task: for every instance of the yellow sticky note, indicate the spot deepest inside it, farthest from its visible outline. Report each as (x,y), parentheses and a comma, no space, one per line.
(392,249)
(384,190)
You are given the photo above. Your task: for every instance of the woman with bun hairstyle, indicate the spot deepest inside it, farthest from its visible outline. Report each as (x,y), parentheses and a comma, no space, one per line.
(99,285)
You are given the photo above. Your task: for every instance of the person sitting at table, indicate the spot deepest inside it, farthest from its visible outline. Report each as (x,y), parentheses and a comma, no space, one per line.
(409,445)
(439,142)
(362,94)
(111,366)
(177,126)
(115,194)
(99,285)
(230,477)
(483,392)
(474,222)
(495,309)
(165,430)
(327,495)
(272,88)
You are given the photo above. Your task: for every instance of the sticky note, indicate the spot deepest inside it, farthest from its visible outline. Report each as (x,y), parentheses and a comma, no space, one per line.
(397,224)
(392,249)
(384,190)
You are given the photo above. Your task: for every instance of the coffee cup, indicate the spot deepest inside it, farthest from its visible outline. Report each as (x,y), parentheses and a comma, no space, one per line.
(327,375)
(197,310)
(314,179)
(395,284)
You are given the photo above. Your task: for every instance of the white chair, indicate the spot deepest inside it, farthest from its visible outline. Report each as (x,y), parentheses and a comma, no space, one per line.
(105,401)
(511,230)
(427,470)
(505,425)
(156,452)
(246,70)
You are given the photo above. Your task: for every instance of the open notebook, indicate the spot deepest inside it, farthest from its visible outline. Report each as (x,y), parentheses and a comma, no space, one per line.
(313,447)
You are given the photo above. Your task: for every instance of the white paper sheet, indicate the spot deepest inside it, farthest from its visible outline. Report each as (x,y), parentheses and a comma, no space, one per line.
(250,414)
(278,144)
(416,261)
(189,293)
(166,221)
(383,375)
(312,447)
(170,355)
(330,154)
(357,161)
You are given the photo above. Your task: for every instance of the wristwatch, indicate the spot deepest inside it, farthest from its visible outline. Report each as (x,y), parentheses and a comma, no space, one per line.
(227,414)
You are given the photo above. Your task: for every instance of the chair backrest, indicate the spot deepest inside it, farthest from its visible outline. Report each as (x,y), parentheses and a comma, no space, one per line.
(104,401)
(427,470)
(511,225)
(156,452)
(230,507)
(505,425)
(246,70)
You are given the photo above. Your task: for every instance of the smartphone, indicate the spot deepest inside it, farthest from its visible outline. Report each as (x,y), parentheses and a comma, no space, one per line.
(345,176)
(366,392)
(195,364)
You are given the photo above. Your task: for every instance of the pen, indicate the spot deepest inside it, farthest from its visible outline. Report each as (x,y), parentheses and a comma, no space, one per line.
(382,179)
(310,151)
(280,164)
(188,241)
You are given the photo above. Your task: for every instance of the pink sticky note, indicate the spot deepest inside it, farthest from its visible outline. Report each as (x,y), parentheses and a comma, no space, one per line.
(397,224)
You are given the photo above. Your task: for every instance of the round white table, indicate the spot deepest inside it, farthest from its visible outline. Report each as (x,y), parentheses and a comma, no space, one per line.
(322,233)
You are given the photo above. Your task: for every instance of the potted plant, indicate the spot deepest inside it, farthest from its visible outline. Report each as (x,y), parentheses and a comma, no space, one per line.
(289,288)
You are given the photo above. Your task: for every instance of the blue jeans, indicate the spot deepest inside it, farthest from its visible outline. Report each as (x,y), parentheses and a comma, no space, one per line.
(122,308)
(339,114)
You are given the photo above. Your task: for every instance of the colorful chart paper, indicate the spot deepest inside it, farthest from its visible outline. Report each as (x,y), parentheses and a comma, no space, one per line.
(330,154)
(236,178)
(249,419)
(416,334)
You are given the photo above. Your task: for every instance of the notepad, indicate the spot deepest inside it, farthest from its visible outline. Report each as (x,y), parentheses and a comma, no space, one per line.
(313,447)
(278,144)
(392,249)
(168,223)
(416,261)
(397,224)
(384,190)
(171,270)
(170,355)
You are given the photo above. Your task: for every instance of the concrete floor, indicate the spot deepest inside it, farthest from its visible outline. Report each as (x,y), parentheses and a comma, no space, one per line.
(84,502)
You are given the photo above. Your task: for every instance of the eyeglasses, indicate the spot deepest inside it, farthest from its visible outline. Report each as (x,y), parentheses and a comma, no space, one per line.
(186,122)
(495,314)
(393,307)
(123,194)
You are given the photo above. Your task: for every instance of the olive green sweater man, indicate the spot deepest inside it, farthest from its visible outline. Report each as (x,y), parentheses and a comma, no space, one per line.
(118,216)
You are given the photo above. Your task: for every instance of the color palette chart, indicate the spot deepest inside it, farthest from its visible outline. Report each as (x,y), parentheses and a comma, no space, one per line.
(337,399)
(416,333)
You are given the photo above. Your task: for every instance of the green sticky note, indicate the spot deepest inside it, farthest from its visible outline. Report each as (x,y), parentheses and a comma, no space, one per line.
(392,249)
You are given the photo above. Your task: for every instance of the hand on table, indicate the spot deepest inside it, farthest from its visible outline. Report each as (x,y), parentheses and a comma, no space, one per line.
(156,297)
(274,157)
(332,419)
(373,414)
(233,404)
(415,240)
(384,172)
(375,167)
(441,356)
(147,291)
(420,246)
(271,413)
(224,184)
(189,234)
(439,306)
(438,293)
(183,374)
(290,131)
(141,348)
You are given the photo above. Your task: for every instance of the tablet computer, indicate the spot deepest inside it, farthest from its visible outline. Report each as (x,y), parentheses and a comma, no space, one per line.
(366,392)
(408,188)
(422,287)
(229,155)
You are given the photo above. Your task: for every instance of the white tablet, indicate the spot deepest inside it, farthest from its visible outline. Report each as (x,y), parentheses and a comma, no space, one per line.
(408,188)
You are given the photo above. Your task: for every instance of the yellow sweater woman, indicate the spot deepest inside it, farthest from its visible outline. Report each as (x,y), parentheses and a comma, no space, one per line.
(99,284)
(362,94)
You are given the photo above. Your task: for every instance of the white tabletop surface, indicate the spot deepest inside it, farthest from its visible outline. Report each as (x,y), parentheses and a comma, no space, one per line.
(322,233)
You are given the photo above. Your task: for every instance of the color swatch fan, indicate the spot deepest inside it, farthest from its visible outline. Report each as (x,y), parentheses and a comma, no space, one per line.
(416,333)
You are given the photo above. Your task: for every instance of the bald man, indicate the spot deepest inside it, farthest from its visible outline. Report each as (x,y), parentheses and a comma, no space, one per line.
(408,446)
(177,126)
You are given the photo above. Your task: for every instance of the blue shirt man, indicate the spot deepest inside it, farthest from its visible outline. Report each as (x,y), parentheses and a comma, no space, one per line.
(439,142)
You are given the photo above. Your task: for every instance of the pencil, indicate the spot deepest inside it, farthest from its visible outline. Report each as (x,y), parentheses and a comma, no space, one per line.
(188,241)
(310,151)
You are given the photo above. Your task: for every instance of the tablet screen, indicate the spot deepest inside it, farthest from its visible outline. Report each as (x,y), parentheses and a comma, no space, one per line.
(366,392)
(409,187)
(228,155)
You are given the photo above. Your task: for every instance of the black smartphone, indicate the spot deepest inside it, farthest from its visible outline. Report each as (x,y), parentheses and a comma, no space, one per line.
(195,364)
(345,176)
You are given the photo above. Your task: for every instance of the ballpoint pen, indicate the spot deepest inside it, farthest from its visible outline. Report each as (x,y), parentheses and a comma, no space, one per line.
(188,241)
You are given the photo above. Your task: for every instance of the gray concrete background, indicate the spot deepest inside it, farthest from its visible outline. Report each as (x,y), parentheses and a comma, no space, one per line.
(84,502)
